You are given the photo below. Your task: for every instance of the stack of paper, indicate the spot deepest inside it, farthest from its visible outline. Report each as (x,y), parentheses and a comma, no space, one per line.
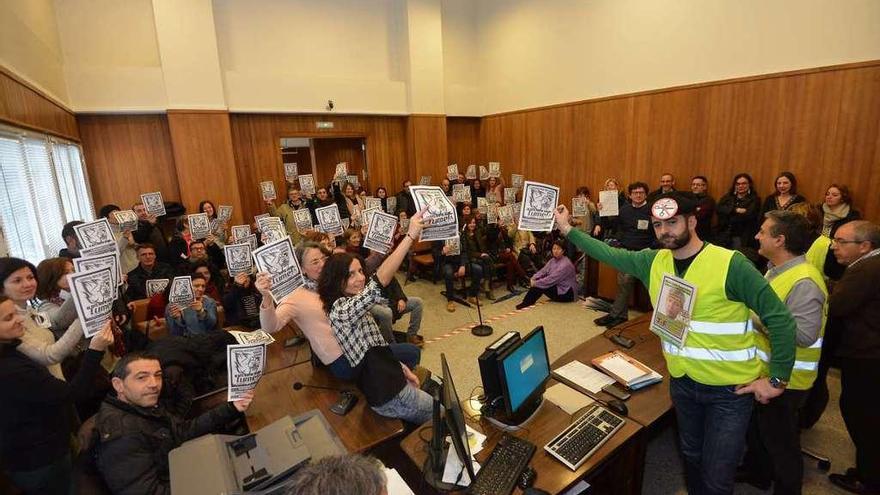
(627,370)
(582,376)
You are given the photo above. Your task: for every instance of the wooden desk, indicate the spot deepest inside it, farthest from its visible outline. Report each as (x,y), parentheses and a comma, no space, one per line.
(275,397)
(618,465)
(279,357)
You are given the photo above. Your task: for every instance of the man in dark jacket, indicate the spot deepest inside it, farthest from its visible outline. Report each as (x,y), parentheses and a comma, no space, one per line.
(634,233)
(855,303)
(135,434)
(405,201)
(148,269)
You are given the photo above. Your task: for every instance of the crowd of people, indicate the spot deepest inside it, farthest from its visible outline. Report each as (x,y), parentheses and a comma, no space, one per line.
(810,309)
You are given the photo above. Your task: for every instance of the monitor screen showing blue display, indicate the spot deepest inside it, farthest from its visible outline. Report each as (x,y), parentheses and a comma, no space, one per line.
(526,368)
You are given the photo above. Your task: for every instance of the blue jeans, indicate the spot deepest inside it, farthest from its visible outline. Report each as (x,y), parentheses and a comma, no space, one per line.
(408,354)
(411,404)
(712,425)
(476,271)
(51,479)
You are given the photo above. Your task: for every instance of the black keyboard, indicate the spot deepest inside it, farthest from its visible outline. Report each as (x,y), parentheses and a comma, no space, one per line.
(500,472)
(580,439)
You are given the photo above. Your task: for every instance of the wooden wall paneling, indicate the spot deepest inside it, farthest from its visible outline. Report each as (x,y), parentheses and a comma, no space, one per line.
(205,165)
(822,125)
(426,147)
(256,141)
(127,155)
(463,141)
(24,106)
(331,151)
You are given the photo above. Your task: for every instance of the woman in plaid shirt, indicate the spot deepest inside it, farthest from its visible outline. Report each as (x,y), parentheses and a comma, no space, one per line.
(391,389)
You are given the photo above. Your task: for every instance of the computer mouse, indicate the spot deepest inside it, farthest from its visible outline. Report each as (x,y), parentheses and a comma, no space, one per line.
(618,406)
(527,477)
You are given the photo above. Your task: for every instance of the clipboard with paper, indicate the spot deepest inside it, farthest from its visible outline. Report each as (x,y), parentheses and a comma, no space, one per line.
(672,317)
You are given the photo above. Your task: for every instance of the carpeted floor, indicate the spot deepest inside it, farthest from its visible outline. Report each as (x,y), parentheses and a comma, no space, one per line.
(567,325)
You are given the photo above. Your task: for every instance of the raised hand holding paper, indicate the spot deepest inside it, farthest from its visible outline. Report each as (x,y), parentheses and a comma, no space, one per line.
(329,220)
(303,220)
(267,189)
(153,203)
(94,234)
(181,292)
(380,232)
(126,220)
(439,212)
(452,171)
(244,366)
(240,232)
(610,206)
(539,202)
(93,294)
(199,226)
(278,260)
(307,184)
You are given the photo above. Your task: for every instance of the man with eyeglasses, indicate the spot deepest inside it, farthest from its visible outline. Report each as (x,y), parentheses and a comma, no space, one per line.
(634,234)
(855,303)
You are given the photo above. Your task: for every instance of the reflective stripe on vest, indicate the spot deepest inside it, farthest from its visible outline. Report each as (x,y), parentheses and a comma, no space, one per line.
(806,359)
(720,346)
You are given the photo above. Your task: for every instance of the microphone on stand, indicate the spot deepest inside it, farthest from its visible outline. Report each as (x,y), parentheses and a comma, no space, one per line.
(481,330)
(301,385)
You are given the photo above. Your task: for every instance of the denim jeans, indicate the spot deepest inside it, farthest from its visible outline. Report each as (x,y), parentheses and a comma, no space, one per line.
(411,404)
(476,272)
(712,425)
(51,479)
(408,354)
(384,317)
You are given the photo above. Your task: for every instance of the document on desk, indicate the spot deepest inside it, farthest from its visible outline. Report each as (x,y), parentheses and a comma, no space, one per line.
(396,485)
(454,471)
(567,398)
(581,375)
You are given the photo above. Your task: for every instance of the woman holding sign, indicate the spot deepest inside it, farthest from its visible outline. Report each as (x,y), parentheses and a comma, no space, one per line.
(35,419)
(390,387)
(19,279)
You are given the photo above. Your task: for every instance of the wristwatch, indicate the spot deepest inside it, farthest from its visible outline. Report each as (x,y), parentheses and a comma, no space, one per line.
(777,382)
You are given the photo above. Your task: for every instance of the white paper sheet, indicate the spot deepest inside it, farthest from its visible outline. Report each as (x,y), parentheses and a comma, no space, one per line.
(584,376)
(610,208)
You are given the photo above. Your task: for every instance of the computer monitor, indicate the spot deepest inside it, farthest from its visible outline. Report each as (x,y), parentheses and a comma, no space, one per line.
(455,419)
(524,370)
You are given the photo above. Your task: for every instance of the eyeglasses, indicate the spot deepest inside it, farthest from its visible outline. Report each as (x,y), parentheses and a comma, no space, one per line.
(844,241)
(742,183)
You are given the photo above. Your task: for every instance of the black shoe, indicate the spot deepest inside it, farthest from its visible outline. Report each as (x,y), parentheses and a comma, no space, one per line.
(616,321)
(852,484)
(603,320)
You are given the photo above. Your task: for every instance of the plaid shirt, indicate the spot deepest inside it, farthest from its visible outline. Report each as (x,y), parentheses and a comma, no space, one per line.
(354,326)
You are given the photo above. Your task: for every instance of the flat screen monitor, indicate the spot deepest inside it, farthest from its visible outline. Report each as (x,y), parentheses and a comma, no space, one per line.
(455,419)
(524,370)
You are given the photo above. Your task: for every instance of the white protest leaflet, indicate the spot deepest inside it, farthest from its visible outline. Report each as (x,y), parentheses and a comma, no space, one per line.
(471,173)
(95,234)
(307,184)
(610,206)
(303,220)
(156,285)
(346,222)
(425,180)
(252,241)
(453,246)
(380,232)
(452,171)
(675,304)
(271,228)
(126,220)
(258,217)
(290,172)
(484,174)
(224,213)
(329,220)
(244,367)
(267,190)
(153,203)
(278,260)
(239,232)
(93,294)
(97,261)
(510,195)
(181,291)
(199,225)
(517,207)
(253,337)
(272,234)
(238,258)
(539,201)
(578,206)
(482,205)
(353,180)
(491,197)
(441,217)
(516,180)
(492,213)
(372,202)
(391,203)
(461,193)
(494,169)
(367,214)
(341,171)
(505,214)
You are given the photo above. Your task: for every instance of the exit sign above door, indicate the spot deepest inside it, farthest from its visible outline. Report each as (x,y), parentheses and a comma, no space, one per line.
(324,125)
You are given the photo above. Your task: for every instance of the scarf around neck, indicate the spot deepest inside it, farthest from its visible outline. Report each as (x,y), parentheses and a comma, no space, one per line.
(831,215)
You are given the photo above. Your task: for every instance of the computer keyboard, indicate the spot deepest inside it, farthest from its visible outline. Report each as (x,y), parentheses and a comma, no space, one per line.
(499,474)
(580,439)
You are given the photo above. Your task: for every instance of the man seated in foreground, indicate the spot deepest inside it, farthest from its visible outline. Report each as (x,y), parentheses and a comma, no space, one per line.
(135,434)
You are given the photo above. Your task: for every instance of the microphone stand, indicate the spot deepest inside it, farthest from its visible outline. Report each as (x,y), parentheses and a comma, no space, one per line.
(481,330)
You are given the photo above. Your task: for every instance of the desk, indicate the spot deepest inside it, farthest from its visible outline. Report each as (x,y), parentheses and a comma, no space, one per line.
(618,465)
(275,397)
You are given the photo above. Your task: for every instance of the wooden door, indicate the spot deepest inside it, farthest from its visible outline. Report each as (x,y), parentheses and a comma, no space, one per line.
(330,151)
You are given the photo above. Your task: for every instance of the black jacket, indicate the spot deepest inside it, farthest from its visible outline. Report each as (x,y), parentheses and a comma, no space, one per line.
(137,279)
(35,415)
(134,442)
(634,227)
(242,305)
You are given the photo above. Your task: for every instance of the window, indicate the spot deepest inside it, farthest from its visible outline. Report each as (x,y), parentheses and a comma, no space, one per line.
(43,187)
